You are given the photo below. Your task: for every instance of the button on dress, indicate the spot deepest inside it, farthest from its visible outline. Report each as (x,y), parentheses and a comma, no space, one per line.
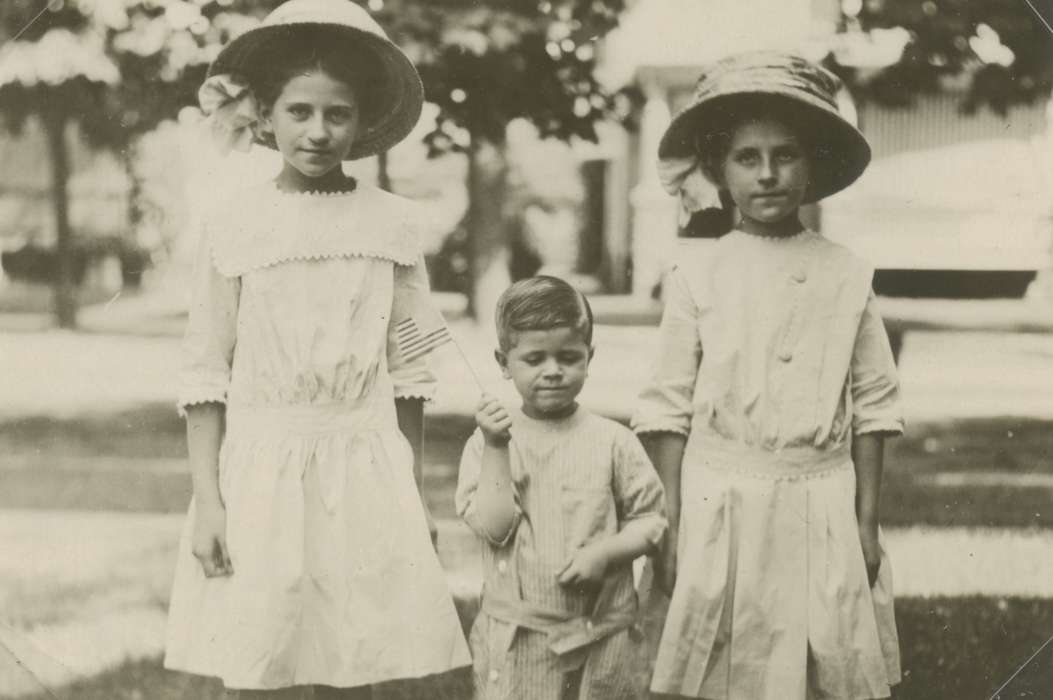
(291,326)
(771,357)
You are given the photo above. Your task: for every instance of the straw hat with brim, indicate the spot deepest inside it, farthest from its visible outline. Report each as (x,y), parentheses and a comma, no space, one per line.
(786,87)
(390,92)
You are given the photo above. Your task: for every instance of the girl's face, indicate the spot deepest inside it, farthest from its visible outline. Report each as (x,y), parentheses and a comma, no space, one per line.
(766,172)
(314,121)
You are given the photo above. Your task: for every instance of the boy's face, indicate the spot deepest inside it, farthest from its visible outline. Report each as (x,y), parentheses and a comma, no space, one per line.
(766,173)
(548,368)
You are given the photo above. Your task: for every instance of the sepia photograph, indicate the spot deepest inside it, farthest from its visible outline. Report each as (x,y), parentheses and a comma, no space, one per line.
(526,349)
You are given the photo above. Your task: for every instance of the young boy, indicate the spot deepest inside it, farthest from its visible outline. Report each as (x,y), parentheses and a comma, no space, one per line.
(565,501)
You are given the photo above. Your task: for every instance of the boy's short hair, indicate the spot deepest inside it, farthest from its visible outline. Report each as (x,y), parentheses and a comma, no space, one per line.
(541,303)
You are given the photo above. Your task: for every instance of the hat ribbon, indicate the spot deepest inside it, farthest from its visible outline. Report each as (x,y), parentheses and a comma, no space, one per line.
(232,110)
(685,179)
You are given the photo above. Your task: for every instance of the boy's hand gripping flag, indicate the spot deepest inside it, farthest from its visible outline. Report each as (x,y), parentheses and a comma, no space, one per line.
(413,343)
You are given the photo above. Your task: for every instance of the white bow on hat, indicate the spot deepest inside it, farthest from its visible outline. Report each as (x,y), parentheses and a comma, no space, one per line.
(685,179)
(232,110)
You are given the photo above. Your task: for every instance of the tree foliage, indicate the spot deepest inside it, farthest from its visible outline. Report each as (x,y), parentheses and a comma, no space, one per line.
(961,41)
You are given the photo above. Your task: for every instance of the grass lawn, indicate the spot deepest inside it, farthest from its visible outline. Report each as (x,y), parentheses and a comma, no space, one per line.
(952,648)
(114,461)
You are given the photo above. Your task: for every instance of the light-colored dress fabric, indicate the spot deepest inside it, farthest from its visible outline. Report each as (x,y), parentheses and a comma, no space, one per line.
(771,357)
(576,480)
(335,580)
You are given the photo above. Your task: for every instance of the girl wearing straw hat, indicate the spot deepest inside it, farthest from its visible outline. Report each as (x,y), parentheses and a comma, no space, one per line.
(306,559)
(766,414)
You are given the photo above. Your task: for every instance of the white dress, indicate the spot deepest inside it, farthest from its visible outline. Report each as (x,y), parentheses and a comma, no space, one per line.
(291,326)
(772,357)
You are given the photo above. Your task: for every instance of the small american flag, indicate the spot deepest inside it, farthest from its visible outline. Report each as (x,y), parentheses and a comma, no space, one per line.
(413,343)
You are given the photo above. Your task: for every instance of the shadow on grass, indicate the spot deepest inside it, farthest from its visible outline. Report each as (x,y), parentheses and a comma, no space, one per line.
(952,648)
(93,462)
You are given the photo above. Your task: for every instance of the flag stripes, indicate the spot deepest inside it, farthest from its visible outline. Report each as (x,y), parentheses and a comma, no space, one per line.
(412,343)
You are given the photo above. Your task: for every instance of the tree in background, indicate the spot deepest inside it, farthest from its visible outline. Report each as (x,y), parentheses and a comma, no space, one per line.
(487,63)
(999,49)
(111,69)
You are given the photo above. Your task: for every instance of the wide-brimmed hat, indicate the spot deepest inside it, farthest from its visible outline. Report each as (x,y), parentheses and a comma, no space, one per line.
(784,85)
(392,94)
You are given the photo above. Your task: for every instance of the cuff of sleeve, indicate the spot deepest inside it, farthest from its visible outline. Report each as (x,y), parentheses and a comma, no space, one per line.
(199,396)
(652,527)
(642,426)
(887,425)
(425,392)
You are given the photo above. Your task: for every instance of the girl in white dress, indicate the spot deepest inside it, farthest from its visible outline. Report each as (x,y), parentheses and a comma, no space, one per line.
(767,411)
(306,559)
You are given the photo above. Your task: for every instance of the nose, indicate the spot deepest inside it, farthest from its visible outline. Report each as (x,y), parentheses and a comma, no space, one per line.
(317,131)
(551,369)
(767,174)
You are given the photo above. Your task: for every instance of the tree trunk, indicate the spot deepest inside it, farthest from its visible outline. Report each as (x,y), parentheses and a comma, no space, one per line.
(487,228)
(63,284)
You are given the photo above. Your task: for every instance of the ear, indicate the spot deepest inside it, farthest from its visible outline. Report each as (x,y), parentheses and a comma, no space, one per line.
(502,362)
(592,352)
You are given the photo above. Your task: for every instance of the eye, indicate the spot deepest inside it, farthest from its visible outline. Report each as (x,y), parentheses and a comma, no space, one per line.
(299,111)
(788,155)
(746,157)
(533,359)
(570,358)
(340,115)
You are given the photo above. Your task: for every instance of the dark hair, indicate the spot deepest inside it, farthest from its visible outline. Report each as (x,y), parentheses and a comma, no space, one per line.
(314,48)
(539,304)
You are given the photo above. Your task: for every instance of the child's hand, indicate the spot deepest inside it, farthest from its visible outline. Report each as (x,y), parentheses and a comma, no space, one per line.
(586,566)
(209,541)
(665,566)
(493,419)
(871,551)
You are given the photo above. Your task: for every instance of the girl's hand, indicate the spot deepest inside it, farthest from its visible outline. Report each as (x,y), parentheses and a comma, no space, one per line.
(871,551)
(209,541)
(586,566)
(494,421)
(665,566)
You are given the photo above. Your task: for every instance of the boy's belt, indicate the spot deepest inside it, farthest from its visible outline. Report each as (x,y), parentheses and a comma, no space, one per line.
(566,631)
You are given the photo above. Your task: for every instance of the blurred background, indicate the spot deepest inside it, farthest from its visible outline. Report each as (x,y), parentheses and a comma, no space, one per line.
(535,153)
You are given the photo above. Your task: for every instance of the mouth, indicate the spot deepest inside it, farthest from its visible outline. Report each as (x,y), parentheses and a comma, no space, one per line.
(770,195)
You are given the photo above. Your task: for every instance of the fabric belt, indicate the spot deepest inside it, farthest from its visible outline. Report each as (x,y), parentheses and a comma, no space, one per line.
(311,419)
(566,631)
(718,454)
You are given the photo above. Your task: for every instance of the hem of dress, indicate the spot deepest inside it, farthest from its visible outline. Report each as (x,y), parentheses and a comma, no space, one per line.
(233,684)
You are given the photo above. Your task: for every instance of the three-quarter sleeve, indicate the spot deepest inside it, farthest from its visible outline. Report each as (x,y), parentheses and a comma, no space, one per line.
(468,485)
(208,344)
(412,300)
(875,383)
(638,491)
(665,404)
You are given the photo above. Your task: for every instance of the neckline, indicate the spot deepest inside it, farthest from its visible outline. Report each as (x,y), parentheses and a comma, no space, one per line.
(337,194)
(551,424)
(777,240)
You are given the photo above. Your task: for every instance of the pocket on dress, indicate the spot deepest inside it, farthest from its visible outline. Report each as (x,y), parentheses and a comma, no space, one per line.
(588,514)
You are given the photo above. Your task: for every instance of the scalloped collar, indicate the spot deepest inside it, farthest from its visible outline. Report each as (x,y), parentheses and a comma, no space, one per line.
(263,226)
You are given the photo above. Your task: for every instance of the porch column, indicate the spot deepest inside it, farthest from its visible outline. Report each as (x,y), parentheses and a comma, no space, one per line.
(654,228)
